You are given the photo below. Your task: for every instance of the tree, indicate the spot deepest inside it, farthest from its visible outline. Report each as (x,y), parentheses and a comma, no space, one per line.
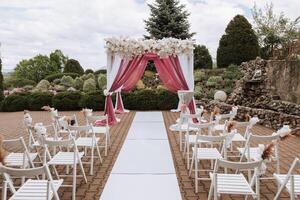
(274,31)
(202,58)
(73,66)
(168,19)
(35,68)
(238,44)
(88,71)
(1,81)
(58,59)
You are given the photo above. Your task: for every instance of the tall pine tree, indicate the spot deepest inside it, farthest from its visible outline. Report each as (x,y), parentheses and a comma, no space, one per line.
(168,18)
(238,44)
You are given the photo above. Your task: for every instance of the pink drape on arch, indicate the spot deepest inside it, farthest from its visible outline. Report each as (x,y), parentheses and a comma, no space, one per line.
(131,71)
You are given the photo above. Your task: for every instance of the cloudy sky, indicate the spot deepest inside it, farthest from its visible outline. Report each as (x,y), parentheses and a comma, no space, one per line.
(78,27)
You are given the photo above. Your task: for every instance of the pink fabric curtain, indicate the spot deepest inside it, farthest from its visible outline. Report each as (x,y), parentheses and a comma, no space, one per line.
(131,71)
(119,107)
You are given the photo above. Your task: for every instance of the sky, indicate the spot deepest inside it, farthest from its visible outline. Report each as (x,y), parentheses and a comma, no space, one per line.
(79,27)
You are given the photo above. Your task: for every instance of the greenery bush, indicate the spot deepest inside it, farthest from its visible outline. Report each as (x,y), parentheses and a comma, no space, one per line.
(37,100)
(56,81)
(102,81)
(67,81)
(72,66)
(198,92)
(67,100)
(100,71)
(213,81)
(88,71)
(13,82)
(88,76)
(199,75)
(93,100)
(52,77)
(43,85)
(89,85)
(15,102)
(78,83)
(232,72)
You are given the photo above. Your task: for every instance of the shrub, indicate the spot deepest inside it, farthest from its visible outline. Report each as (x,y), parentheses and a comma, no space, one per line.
(232,72)
(140,85)
(198,92)
(213,81)
(43,85)
(15,102)
(72,66)
(78,83)
(149,74)
(52,77)
(88,71)
(202,58)
(102,81)
(39,99)
(89,85)
(13,82)
(100,71)
(93,100)
(67,100)
(59,88)
(199,75)
(67,81)
(88,76)
(56,81)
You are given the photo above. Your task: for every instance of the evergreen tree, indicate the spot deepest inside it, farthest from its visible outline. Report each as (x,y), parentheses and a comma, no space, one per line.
(1,81)
(73,66)
(168,19)
(238,44)
(202,58)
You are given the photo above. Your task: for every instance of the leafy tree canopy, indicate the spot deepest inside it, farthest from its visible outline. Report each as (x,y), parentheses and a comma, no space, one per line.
(73,66)
(202,58)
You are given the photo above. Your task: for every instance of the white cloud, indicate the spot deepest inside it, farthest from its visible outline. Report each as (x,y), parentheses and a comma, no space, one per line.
(79,27)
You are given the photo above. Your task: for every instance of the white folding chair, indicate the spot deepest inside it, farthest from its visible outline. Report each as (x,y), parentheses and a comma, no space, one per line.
(234,184)
(62,125)
(208,153)
(18,159)
(290,181)
(100,130)
(229,117)
(66,158)
(88,140)
(32,189)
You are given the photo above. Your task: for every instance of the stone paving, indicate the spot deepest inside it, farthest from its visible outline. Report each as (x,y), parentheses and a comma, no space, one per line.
(11,127)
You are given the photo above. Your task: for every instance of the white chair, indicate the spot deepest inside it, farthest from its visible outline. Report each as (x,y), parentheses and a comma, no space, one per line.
(17,159)
(62,125)
(208,153)
(235,184)
(290,181)
(229,117)
(88,140)
(100,130)
(66,158)
(31,189)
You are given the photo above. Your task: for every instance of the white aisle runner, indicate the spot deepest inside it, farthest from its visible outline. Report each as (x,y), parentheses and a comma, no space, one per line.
(144,169)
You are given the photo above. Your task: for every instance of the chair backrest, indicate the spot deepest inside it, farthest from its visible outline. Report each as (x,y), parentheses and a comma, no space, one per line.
(85,128)
(18,142)
(199,127)
(93,118)
(59,143)
(238,165)
(187,118)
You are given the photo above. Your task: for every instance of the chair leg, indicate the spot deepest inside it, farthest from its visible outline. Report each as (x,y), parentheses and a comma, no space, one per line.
(210,190)
(92,161)
(98,151)
(82,170)
(180,140)
(74,182)
(196,176)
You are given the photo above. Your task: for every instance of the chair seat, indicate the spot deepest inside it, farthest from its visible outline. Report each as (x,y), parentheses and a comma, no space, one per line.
(219,127)
(182,127)
(99,130)
(254,153)
(232,184)
(192,139)
(62,131)
(37,143)
(86,141)
(238,138)
(207,153)
(16,159)
(64,158)
(35,190)
(281,177)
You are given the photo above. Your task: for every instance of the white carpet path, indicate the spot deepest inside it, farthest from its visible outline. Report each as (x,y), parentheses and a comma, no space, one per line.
(144,168)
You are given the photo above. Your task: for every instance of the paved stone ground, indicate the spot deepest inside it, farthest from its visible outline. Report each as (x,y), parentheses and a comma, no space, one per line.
(11,127)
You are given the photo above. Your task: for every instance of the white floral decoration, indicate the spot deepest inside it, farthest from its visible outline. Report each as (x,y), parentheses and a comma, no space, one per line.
(163,48)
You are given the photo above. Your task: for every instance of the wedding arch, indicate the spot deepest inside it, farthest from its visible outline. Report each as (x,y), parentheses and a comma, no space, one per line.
(127,60)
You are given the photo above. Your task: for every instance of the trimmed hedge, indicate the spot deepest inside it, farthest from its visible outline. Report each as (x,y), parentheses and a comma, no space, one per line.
(52,77)
(137,100)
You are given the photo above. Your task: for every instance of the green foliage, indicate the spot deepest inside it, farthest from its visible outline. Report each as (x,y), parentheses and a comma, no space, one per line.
(1,81)
(213,81)
(56,81)
(238,44)
(202,58)
(87,71)
(78,83)
(93,100)
(15,102)
(73,66)
(89,85)
(274,30)
(43,85)
(197,92)
(67,101)
(36,68)
(13,82)
(232,72)
(100,71)
(88,76)
(168,19)
(52,77)
(67,81)
(102,81)
(199,75)
(140,85)
(58,59)
(37,100)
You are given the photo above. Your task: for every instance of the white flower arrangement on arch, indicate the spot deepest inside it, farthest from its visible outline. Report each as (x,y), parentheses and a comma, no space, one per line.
(163,47)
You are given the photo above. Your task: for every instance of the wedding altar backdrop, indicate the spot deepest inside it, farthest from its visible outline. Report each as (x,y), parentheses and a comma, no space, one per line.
(128,58)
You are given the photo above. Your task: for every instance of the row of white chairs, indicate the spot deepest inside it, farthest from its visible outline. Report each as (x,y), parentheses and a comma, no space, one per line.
(212,142)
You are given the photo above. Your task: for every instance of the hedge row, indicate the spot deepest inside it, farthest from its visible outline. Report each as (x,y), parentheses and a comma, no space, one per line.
(136,100)
(52,77)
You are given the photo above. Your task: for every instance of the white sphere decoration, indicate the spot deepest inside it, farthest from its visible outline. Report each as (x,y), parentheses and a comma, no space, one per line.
(220,95)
